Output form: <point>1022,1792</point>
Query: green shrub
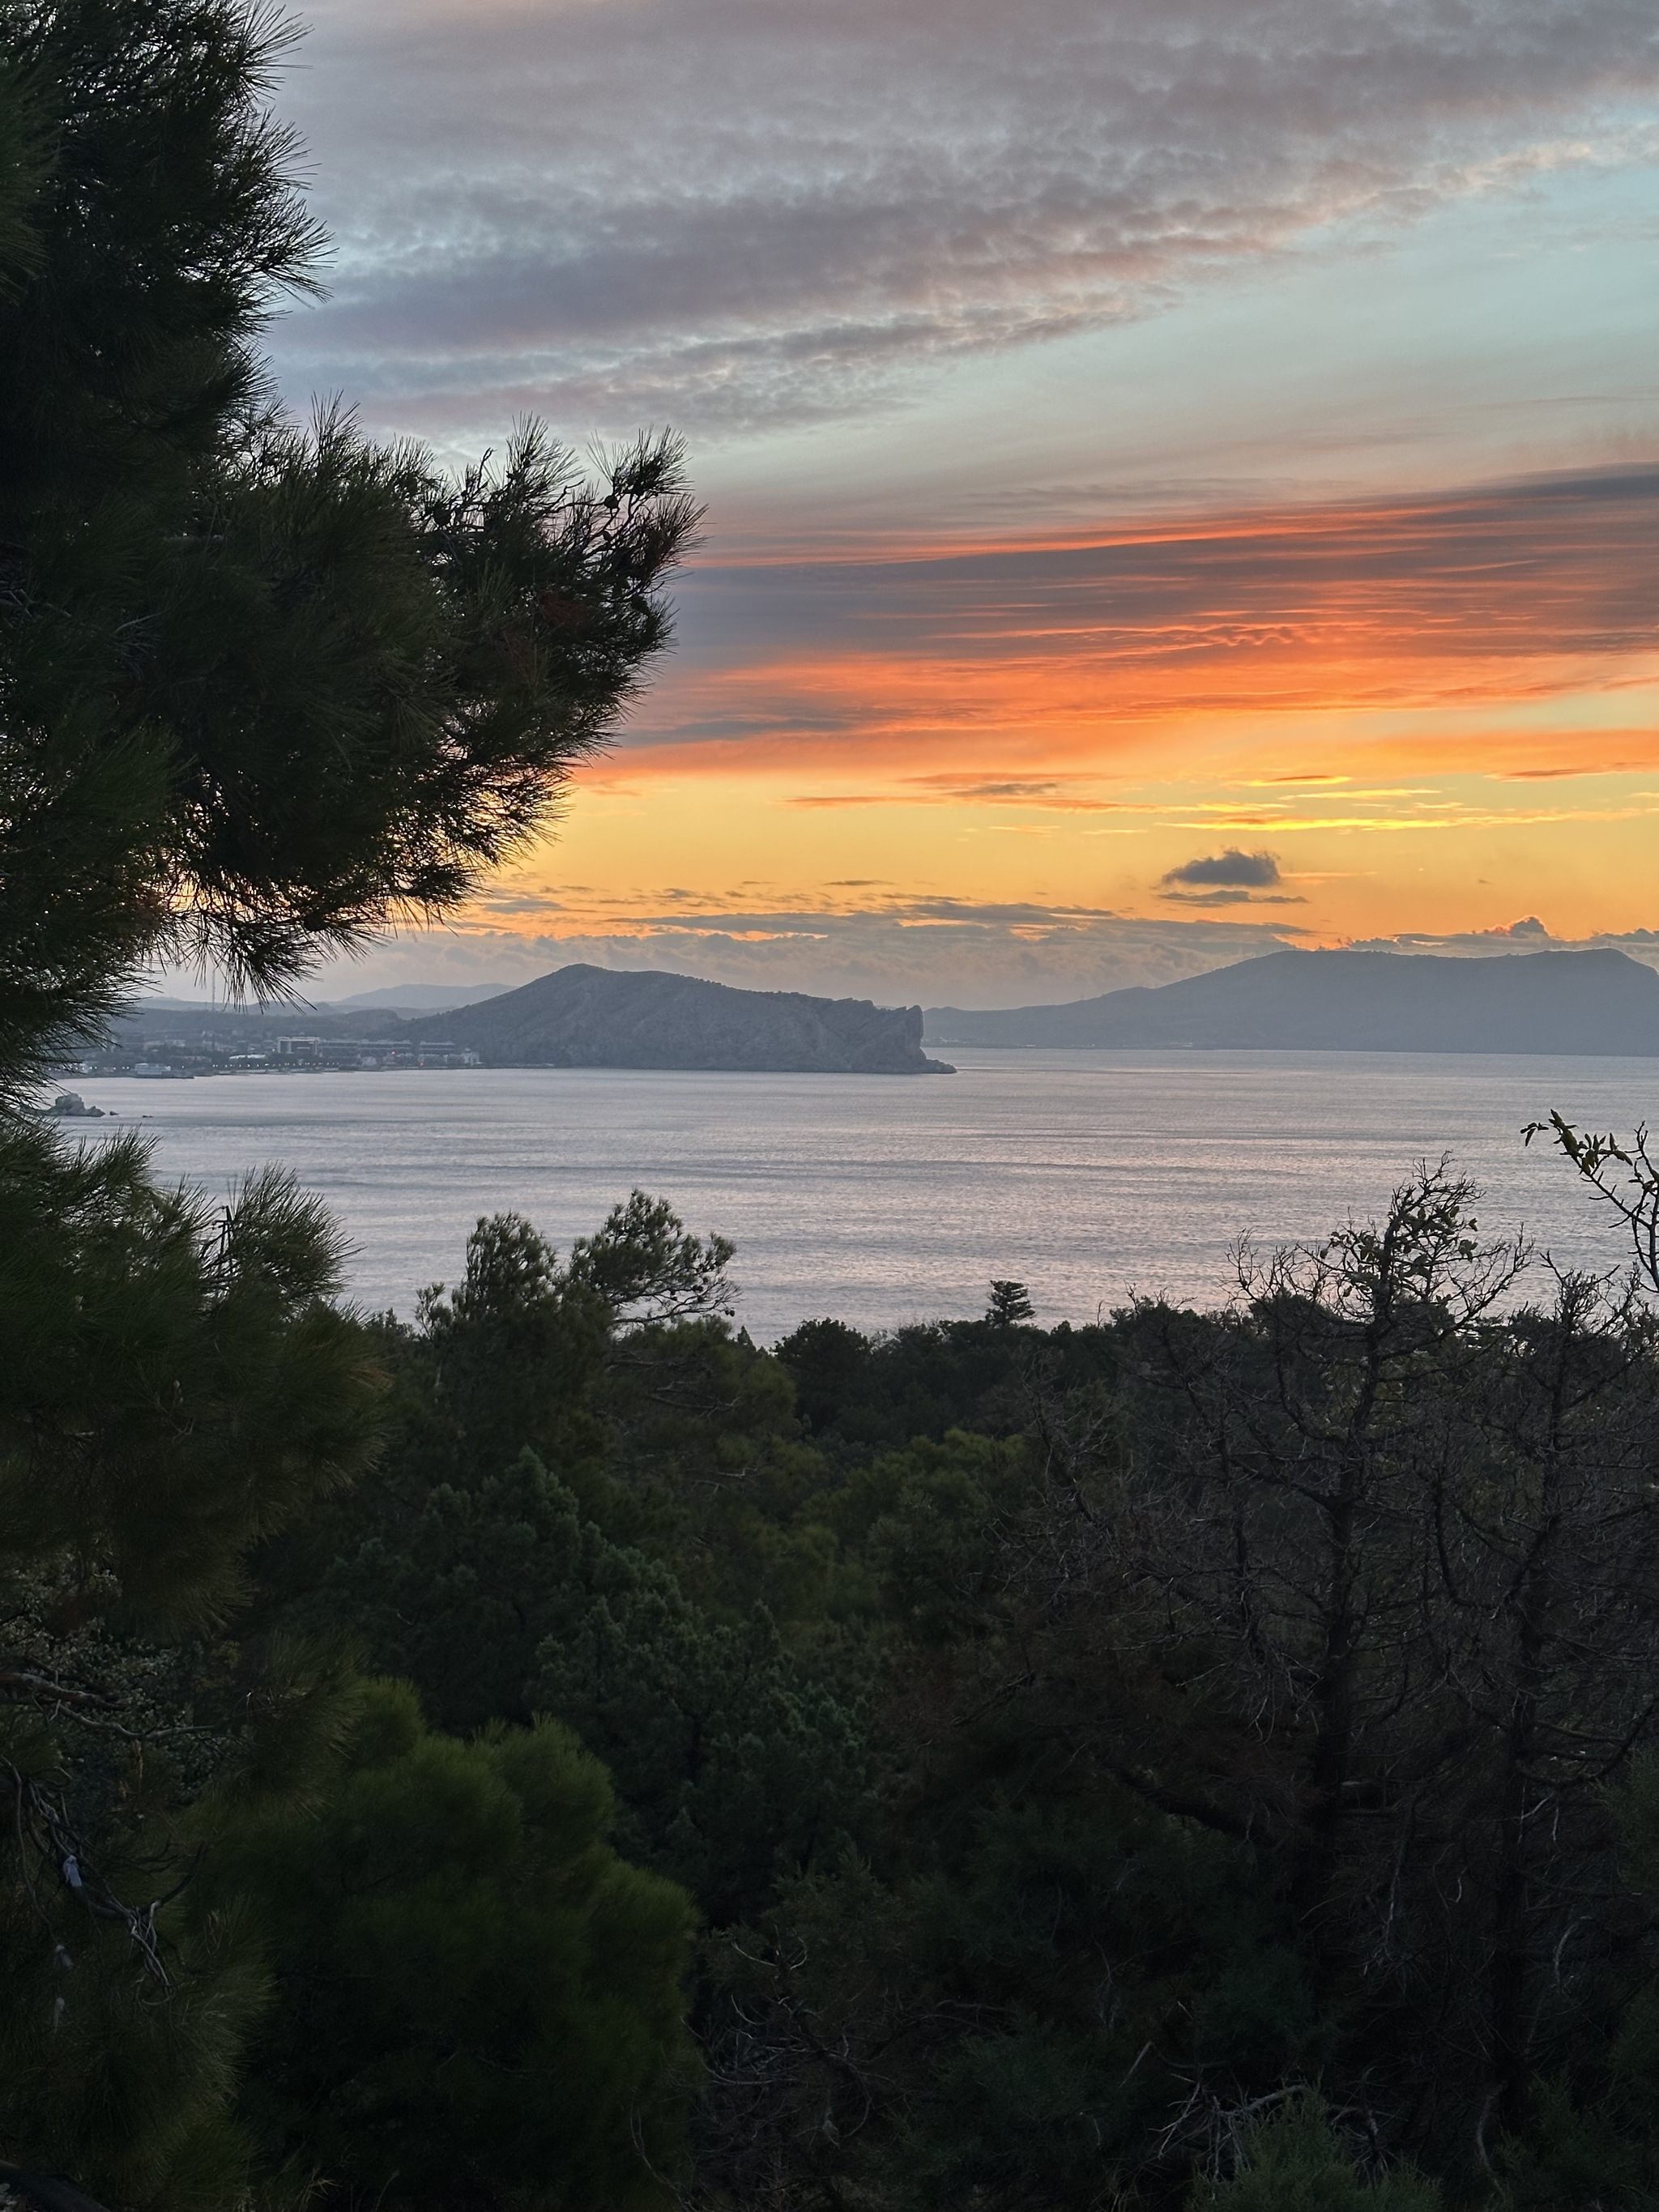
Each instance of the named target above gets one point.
<point>479,2003</point>
<point>1295,2162</point>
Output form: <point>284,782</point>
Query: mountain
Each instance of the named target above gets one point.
<point>1580,1002</point>
<point>582,1017</point>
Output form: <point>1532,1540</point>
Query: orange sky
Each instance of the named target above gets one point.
<point>1099,485</point>
<point>1438,714</point>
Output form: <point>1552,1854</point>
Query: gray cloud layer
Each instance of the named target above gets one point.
<point>1529,935</point>
<point>899,950</point>
<point>739,210</point>
<point>896,950</point>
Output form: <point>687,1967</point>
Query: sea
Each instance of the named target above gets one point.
<point>1090,1177</point>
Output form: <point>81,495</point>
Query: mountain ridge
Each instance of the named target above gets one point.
<point>1595,1002</point>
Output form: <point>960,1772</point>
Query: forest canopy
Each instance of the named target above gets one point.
<point>1198,1759</point>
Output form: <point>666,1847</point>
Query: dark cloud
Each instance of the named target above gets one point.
<point>1248,871</point>
<point>749,211</point>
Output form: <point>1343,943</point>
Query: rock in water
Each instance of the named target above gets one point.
<point>71,1106</point>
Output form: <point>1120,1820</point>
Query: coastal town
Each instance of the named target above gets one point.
<point>174,1042</point>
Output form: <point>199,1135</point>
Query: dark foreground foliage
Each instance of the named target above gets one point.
<point>1227,1779</point>
<point>1261,1713</point>
<point>1225,1776</point>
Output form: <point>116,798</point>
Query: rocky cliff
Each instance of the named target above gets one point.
<point>582,1017</point>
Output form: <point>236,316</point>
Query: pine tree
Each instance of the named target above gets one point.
<point>1293,2160</point>
<point>480,2003</point>
<point>176,1382</point>
<point>262,686</point>
<point>575,1515</point>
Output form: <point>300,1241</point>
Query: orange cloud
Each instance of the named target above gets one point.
<point>1467,631</point>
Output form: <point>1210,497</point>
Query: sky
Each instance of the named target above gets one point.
<point>1181,475</point>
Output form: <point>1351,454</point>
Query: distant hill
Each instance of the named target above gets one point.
<point>1566,1002</point>
<point>251,1026</point>
<point>582,1017</point>
<point>419,997</point>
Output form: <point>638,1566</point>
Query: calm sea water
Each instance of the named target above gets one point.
<point>887,1198</point>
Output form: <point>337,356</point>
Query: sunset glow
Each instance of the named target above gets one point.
<point>1088,494</point>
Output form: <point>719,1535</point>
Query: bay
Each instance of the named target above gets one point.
<point>883,1200</point>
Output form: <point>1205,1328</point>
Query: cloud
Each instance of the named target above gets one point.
<point>1233,898</point>
<point>744,211</point>
<point>954,788</point>
<point>896,948</point>
<point>1254,871</point>
<point>1240,879</point>
<point>1049,796</point>
<point>1527,935</point>
<point>981,673</point>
